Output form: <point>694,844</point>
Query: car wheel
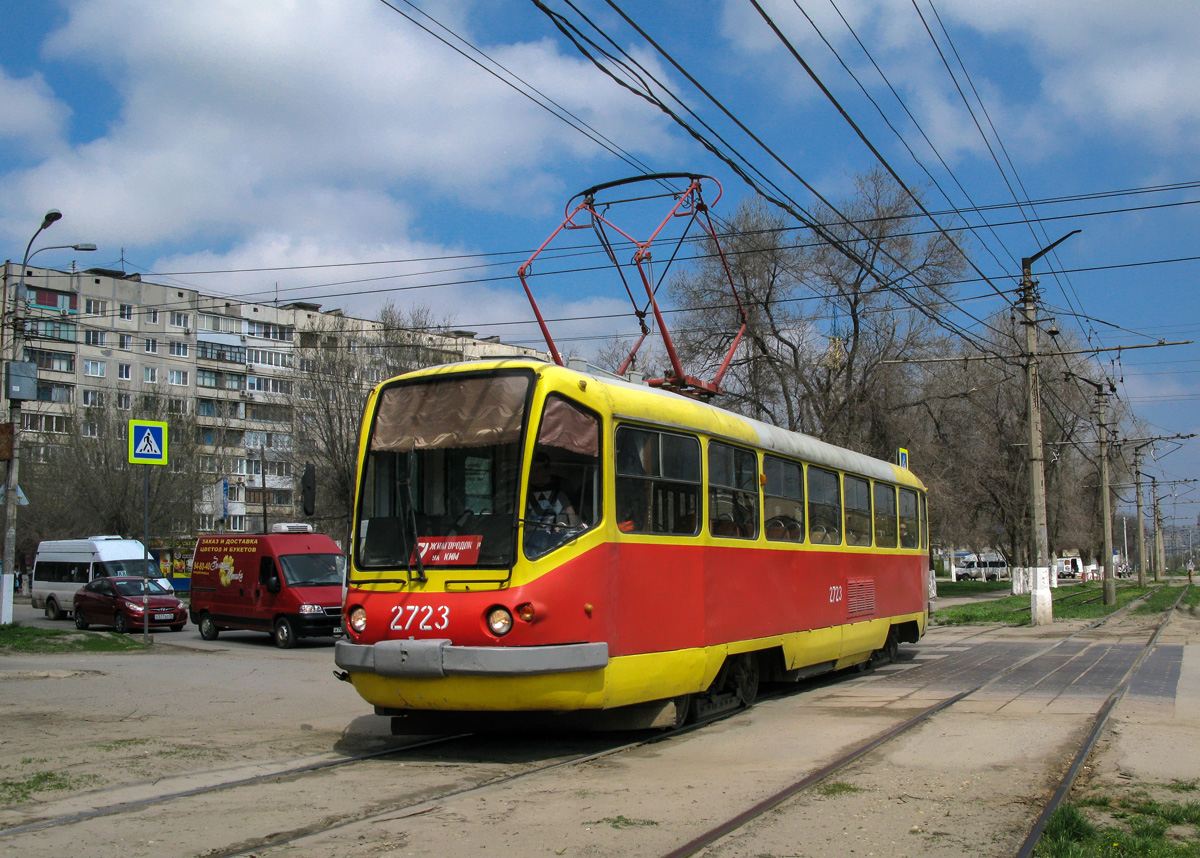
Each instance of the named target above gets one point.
<point>53,611</point>
<point>80,622</point>
<point>208,629</point>
<point>285,637</point>
<point>178,627</point>
<point>120,624</point>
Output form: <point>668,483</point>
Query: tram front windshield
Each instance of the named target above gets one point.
<point>442,471</point>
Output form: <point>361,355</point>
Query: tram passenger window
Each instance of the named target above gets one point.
<point>910,536</point>
<point>783,500</point>
<point>885,515</point>
<point>732,491</point>
<point>858,511</point>
<point>824,507</point>
<point>563,495</point>
<point>658,482</point>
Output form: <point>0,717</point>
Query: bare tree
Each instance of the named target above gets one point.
<point>821,320</point>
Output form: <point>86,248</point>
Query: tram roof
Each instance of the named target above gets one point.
<point>653,405</point>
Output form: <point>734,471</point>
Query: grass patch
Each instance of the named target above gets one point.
<point>17,790</point>
<point>970,588</point>
<point>18,639</point>
<point>1072,602</point>
<point>837,788</point>
<point>622,822</point>
<point>1138,828</point>
<point>1160,600</point>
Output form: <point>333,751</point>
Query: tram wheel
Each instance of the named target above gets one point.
<point>744,678</point>
<point>683,710</point>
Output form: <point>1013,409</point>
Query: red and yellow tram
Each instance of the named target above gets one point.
<point>529,538</point>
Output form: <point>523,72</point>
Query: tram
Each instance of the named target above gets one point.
<point>529,538</point>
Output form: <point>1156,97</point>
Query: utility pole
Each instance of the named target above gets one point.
<point>1110,577</point>
<point>1041,609</point>
<point>1160,553</point>
<point>1141,517</point>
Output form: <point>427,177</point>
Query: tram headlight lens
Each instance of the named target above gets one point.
<point>499,620</point>
<point>357,619</point>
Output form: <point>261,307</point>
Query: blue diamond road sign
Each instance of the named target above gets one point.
<point>147,442</point>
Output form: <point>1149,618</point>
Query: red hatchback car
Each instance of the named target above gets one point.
<point>117,602</point>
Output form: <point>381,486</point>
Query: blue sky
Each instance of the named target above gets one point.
<point>201,141</point>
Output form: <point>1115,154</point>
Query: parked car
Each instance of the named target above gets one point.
<point>118,601</point>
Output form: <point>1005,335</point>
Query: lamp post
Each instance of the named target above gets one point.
<point>15,398</point>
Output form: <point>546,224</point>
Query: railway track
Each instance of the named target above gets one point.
<point>415,783</point>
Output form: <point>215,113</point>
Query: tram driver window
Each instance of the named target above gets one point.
<point>824,507</point>
<point>658,482</point>
<point>783,500</point>
<point>909,520</point>
<point>858,511</point>
<point>562,497</point>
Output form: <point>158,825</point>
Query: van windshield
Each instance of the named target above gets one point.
<point>111,568</point>
<point>312,570</point>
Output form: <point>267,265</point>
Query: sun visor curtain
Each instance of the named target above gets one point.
<point>464,412</point>
<point>568,426</point>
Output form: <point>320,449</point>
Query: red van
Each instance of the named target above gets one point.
<point>285,583</point>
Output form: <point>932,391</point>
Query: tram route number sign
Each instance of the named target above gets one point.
<point>444,550</point>
<point>147,442</point>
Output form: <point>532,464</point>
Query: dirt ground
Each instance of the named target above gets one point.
<point>88,731</point>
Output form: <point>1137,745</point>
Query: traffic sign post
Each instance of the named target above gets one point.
<point>147,446</point>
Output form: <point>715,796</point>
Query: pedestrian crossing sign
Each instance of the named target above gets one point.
<point>147,442</point>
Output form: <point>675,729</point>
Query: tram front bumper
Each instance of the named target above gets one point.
<point>436,658</point>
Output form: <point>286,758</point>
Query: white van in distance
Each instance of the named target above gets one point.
<point>62,566</point>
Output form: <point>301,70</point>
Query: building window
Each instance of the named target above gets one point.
<point>93,398</point>
<point>95,307</point>
<point>51,392</point>
<point>55,423</point>
<point>125,342</point>
<point>94,338</point>
<point>150,375</point>
<point>152,316</point>
<point>237,523</point>
<point>88,429</point>
<point>57,361</point>
<point>206,378</point>
<point>126,312</point>
<point>93,368</point>
<point>177,406</point>
<point>177,348</point>
<point>178,377</point>
<point>206,521</point>
<point>151,346</point>
<point>124,401</point>
<point>124,371</point>
<point>180,320</point>
<point>48,329</point>
<point>235,381</point>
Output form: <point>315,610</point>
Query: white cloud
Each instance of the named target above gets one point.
<point>33,118</point>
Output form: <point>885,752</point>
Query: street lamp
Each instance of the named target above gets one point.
<point>8,570</point>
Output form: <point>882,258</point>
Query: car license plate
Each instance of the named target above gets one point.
<point>165,617</point>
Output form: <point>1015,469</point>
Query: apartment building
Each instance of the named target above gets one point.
<point>245,377</point>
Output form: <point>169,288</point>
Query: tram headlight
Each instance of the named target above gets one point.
<point>499,620</point>
<point>357,619</point>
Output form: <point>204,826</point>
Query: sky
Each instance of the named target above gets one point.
<point>352,152</point>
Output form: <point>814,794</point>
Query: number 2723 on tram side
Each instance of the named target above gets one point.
<point>530,539</point>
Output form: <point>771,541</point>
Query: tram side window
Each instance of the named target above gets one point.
<point>858,511</point>
<point>910,536</point>
<point>783,500</point>
<point>658,482</point>
<point>885,515</point>
<point>732,491</point>
<point>563,497</point>
<point>824,507</point>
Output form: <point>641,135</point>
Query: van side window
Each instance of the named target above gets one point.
<point>658,482</point>
<point>885,515</point>
<point>732,491</point>
<point>824,507</point>
<point>783,500</point>
<point>910,536</point>
<point>267,571</point>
